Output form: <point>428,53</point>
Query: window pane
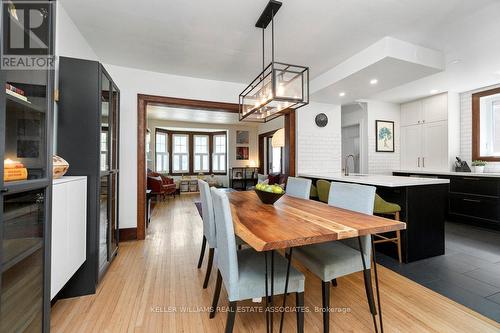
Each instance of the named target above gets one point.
<point>222,162</point>
<point>159,162</point>
<point>205,162</point>
<point>215,162</point>
<point>180,143</point>
<point>184,162</point>
<point>201,144</point>
<point>176,163</point>
<point>490,125</point>
<point>165,163</point>
<point>197,162</point>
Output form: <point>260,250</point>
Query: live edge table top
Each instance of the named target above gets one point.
<point>294,222</point>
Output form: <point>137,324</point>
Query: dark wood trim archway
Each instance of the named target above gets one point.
<point>144,100</point>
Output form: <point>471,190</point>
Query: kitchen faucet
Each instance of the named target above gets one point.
<point>346,168</point>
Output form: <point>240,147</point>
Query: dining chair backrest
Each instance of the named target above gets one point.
<point>298,187</point>
<point>323,188</point>
<point>358,198</point>
<point>227,259</point>
<point>207,212</point>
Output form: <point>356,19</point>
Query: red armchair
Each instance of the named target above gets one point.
<point>161,185</point>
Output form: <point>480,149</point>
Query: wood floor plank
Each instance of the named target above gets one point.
<point>149,279</point>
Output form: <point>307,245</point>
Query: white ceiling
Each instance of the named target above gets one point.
<point>217,40</point>
<point>159,112</point>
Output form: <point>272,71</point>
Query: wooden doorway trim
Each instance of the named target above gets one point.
<point>144,100</point>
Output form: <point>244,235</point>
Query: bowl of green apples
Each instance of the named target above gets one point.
<point>269,194</point>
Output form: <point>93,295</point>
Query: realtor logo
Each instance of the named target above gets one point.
<point>26,30</point>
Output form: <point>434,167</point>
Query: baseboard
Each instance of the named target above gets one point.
<point>127,234</point>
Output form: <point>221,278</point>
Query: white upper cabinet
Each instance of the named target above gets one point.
<point>435,108</point>
<point>411,113</point>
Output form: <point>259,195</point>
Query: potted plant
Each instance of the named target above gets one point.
<point>478,166</point>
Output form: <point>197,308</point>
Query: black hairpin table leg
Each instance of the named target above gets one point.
<point>376,286</point>
<point>286,287</point>
<point>368,285</point>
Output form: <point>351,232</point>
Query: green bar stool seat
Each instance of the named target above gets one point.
<point>314,192</point>
<point>323,188</point>
<point>382,207</point>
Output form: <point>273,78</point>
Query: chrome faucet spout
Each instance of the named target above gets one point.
<point>346,164</point>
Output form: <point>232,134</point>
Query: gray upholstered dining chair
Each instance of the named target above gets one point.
<point>243,272</point>
<point>207,212</point>
<point>331,260</point>
<point>298,187</point>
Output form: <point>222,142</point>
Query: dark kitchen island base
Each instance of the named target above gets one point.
<point>423,208</point>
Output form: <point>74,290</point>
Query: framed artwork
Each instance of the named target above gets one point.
<point>385,136</point>
<point>242,153</point>
<point>242,137</point>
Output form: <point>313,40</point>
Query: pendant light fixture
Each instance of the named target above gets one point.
<point>280,87</point>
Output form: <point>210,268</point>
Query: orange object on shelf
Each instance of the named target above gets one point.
<point>10,164</point>
<point>12,174</point>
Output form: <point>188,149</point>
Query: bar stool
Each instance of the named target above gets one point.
<point>323,188</point>
<point>382,207</point>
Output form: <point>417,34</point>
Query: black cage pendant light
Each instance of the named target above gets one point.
<point>280,87</point>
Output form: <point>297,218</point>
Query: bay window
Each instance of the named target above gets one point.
<point>161,152</point>
<point>200,152</point>
<point>180,154</point>
<point>219,153</point>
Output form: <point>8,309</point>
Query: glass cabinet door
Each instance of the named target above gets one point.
<point>21,307</point>
<point>114,127</point>
<point>105,123</point>
<point>113,198</point>
<point>103,223</point>
<point>25,156</point>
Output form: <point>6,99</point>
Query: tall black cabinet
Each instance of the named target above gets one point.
<point>26,105</point>
<point>88,138</point>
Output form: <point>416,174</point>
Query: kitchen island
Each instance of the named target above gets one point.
<point>423,204</point>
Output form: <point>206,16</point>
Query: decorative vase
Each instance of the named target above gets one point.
<point>59,166</point>
<point>478,168</point>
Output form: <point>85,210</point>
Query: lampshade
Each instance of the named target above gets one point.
<point>278,138</point>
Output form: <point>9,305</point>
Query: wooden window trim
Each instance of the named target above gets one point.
<point>476,126</point>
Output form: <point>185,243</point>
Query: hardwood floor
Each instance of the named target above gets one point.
<point>154,286</point>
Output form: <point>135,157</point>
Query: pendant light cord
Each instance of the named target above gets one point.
<point>272,37</point>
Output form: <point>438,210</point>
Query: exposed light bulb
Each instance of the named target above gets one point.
<point>342,94</point>
<point>373,81</point>
<point>281,90</point>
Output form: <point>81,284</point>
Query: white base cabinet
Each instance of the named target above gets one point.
<point>69,230</point>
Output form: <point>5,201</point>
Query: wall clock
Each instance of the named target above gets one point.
<point>321,120</point>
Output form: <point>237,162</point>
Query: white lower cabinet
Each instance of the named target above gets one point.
<point>69,230</point>
<point>425,146</point>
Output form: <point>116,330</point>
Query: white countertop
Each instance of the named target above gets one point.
<point>450,173</point>
<point>378,180</point>
<point>66,179</point>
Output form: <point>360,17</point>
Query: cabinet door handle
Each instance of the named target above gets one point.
<point>418,163</point>
<point>470,178</point>
<point>423,121</point>
<point>423,162</point>
<point>472,200</point>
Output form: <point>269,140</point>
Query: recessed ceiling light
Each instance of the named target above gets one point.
<point>433,91</point>
<point>373,81</point>
<point>342,94</point>
<point>455,61</point>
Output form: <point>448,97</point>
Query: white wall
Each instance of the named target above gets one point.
<point>354,114</point>
<point>134,81</point>
<point>272,125</point>
<point>253,145</point>
<point>318,149</point>
<point>69,40</point>
<point>466,128</point>
<point>383,163</point>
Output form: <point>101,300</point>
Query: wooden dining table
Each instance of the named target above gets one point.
<point>292,222</point>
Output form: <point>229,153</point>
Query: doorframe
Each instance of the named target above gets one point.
<point>143,100</point>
